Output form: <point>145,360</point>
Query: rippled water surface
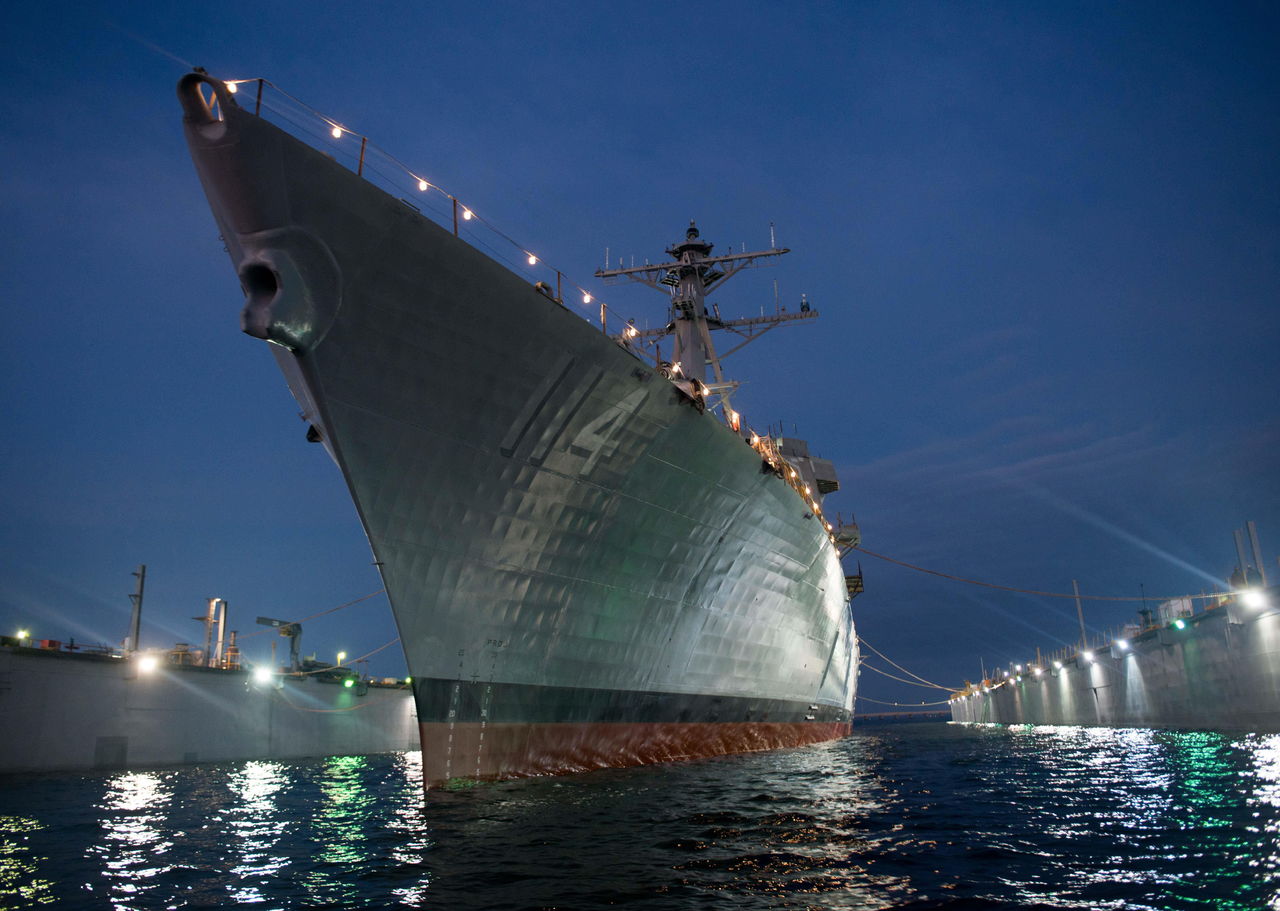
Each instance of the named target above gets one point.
<point>911,816</point>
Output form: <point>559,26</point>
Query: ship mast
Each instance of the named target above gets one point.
<point>690,276</point>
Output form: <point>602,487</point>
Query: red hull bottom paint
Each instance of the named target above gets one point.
<point>493,751</point>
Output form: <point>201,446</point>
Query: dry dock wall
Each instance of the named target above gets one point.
<point>1222,672</point>
<point>61,713</point>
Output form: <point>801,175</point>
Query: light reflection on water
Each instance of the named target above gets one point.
<point>1265,826</point>
<point>410,835</point>
<point>137,839</point>
<point>21,882</point>
<point>996,817</point>
<point>257,826</point>
<point>340,829</point>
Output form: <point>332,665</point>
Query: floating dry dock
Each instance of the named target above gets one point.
<point>67,711</point>
<point>1214,670</point>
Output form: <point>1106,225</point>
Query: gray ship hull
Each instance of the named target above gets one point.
<point>1220,672</point>
<point>585,570</point>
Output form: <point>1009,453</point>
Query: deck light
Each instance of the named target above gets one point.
<point>1058,665</point>
<point>1254,598</point>
<point>1039,671</point>
<point>1087,656</point>
<point>262,675</point>
<point>147,663</point>
<point>1018,668</point>
<point>466,215</point>
<point>24,634</point>
<point>533,260</point>
<point>1122,644</point>
<point>336,132</point>
<point>586,298</point>
<point>342,656</point>
<point>231,87</point>
<point>422,185</point>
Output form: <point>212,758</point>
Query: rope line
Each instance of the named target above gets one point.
<point>351,708</point>
<point>933,686</point>
<point>1031,591</point>
<point>270,629</point>
<point>341,606</point>
<point>365,656</point>
<point>948,689</point>
<point>909,705</point>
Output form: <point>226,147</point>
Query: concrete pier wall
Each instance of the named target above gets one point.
<point>1221,672</point>
<point>61,712</point>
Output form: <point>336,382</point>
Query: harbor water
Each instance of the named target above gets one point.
<point>907,816</point>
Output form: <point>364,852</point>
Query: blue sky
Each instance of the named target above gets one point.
<point>1044,241</point>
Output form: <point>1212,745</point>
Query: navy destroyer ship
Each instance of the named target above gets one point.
<point>590,558</point>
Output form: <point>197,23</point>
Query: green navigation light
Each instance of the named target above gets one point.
<point>1179,623</point>
<point>348,683</point>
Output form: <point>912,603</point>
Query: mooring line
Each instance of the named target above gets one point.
<point>1032,591</point>
<point>321,614</point>
<point>947,689</point>
<point>932,686</point>
<point>909,705</point>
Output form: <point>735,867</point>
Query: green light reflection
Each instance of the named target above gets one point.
<point>1212,794</point>
<point>19,883</point>
<point>341,829</point>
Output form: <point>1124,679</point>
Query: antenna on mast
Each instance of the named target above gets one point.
<point>773,244</point>
<point>135,619</point>
<point>689,275</point>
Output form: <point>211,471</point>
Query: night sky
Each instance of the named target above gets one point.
<point>1044,240</point>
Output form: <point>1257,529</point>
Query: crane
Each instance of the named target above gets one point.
<point>290,629</point>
